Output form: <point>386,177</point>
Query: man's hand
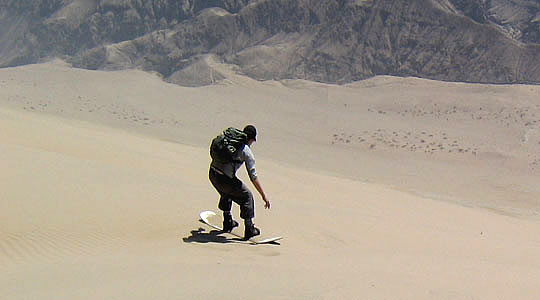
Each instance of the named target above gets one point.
<point>266,203</point>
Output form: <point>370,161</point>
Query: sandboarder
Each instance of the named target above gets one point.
<point>222,175</point>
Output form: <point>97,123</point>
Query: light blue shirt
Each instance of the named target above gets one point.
<point>243,156</point>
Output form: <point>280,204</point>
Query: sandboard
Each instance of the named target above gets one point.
<point>211,219</point>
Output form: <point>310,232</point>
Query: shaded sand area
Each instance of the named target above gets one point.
<point>384,189</point>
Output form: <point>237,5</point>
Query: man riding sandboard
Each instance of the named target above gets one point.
<point>229,151</point>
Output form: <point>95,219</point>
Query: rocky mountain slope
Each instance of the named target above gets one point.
<point>338,41</point>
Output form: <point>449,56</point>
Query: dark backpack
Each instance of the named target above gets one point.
<point>225,145</point>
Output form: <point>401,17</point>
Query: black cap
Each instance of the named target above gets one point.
<point>251,132</point>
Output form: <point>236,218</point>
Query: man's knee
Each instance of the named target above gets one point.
<point>225,204</point>
<point>247,208</point>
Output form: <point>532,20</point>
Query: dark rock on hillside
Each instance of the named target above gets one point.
<point>519,19</point>
<point>495,41</point>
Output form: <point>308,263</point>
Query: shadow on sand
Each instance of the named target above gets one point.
<point>214,236</point>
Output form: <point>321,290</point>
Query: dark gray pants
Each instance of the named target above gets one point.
<point>233,190</point>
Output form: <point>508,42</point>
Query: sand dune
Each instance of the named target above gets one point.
<point>418,129</point>
<point>105,174</point>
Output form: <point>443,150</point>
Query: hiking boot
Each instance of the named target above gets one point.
<point>251,231</point>
<point>229,225</point>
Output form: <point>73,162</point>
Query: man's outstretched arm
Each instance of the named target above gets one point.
<point>259,188</point>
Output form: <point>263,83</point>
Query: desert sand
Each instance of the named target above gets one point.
<point>389,188</point>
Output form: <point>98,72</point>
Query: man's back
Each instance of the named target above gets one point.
<point>244,155</point>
